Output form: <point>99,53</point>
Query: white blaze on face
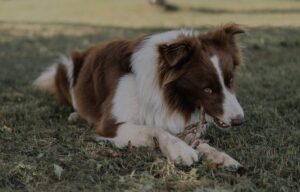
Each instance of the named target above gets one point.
<point>231,107</point>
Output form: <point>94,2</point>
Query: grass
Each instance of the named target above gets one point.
<point>35,136</point>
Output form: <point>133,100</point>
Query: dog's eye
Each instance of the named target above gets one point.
<point>208,90</point>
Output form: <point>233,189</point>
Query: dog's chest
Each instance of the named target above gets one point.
<point>129,105</point>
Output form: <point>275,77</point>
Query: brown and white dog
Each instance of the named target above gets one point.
<point>153,86</point>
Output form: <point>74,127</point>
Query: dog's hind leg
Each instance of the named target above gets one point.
<point>74,117</point>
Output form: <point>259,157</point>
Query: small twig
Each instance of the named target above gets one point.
<point>156,144</point>
<point>201,124</point>
<point>187,130</point>
<point>109,153</point>
<point>191,133</point>
<point>129,146</point>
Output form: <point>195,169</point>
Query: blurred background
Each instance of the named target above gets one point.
<point>147,13</point>
<point>41,151</point>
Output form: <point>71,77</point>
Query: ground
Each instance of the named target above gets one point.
<point>41,151</point>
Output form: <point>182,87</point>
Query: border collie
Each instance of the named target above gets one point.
<point>153,87</point>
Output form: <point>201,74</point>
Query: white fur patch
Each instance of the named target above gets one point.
<point>231,106</point>
<point>69,65</point>
<point>126,102</point>
<point>46,81</point>
<point>138,135</point>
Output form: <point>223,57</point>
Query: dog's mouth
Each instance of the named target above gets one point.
<point>206,117</point>
<point>220,123</point>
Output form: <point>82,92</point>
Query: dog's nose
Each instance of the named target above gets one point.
<point>237,120</point>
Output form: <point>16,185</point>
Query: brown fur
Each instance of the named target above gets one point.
<point>78,60</point>
<point>62,85</point>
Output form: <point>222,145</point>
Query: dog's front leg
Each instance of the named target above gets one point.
<point>217,158</point>
<point>139,135</point>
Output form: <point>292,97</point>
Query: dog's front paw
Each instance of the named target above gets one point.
<point>217,159</point>
<point>176,150</point>
<point>221,160</point>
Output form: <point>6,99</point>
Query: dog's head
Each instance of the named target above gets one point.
<point>198,71</point>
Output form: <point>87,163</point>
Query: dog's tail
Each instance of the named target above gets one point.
<point>59,78</point>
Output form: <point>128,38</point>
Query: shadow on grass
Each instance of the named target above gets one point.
<point>254,11</point>
<point>204,10</point>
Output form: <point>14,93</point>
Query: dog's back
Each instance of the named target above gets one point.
<point>87,80</point>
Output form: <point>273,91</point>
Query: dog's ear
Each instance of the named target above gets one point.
<point>224,34</point>
<point>173,57</point>
<point>233,29</point>
<point>175,54</point>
